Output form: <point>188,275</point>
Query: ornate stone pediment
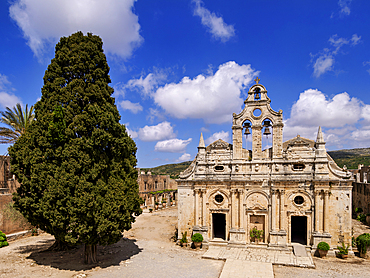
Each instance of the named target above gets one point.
<point>299,142</point>
<point>219,145</point>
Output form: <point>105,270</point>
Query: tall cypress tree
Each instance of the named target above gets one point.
<point>76,162</point>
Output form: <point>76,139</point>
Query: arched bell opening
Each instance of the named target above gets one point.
<point>267,135</point>
<point>247,140</point>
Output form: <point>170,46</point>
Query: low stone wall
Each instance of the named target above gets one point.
<point>8,226</point>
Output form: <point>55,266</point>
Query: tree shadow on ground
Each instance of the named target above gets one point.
<point>73,259</point>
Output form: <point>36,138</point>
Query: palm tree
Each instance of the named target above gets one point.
<point>17,121</point>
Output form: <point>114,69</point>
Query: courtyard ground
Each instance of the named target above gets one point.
<point>147,251</point>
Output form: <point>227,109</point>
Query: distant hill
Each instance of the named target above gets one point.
<point>351,158</point>
<point>169,169</point>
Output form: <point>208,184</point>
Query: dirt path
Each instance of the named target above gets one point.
<point>145,251</point>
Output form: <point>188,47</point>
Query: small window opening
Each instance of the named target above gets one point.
<point>219,168</point>
<point>298,200</point>
<point>257,94</point>
<point>219,198</point>
<point>299,166</point>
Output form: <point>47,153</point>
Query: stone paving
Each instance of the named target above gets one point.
<point>260,254</point>
<point>246,269</point>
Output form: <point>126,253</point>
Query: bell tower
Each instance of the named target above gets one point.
<point>258,116</point>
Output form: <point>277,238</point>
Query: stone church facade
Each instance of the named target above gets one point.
<point>293,191</point>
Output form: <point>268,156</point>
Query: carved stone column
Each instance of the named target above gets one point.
<point>233,208</point>
<point>273,209</point>
<point>240,209</point>
<point>196,207</point>
<point>282,210</point>
<point>326,212</point>
<point>204,208</point>
<point>317,211</point>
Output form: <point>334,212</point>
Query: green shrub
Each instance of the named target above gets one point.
<point>362,242</point>
<point>184,237</point>
<point>3,241</point>
<point>255,233</point>
<point>323,246</point>
<point>343,249</point>
<point>358,210</point>
<point>197,237</point>
<point>361,217</point>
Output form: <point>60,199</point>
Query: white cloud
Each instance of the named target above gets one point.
<point>337,42</point>
<point>345,120</point>
<point>172,145</point>
<point>323,64</point>
<point>133,107</point>
<point>43,22</point>
<point>212,98</point>
<point>7,98</point>
<point>355,39</point>
<point>155,114</point>
<point>314,109</point>
<point>344,7</point>
<point>131,133</point>
<point>223,135</point>
<point>5,84</point>
<point>157,132</point>
<point>147,85</point>
<point>361,137</point>
<point>325,60</point>
<point>184,157</point>
<point>216,25</point>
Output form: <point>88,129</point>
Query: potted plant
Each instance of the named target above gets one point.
<point>150,210</point>
<point>156,205</point>
<point>323,248</point>
<point>256,235</point>
<point>363,244</point>
<point>34,232</point>
<point>164,201</point>
<point>197,239</point>
<point>184,240</point>
<point>3,241</point>
<point>343,251</point>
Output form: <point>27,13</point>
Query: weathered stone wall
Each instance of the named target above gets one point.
<point>361,197</point>
<point>153,183</point>
<point>9,225</point>
<point>186,210</point>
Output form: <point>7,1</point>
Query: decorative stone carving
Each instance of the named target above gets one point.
<point>257,201</point>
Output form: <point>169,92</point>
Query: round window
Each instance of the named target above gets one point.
<point>257,112</point>
<point>298,200</point>
<point>219,198</point>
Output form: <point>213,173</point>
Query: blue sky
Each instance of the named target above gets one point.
<point>183,67</point>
